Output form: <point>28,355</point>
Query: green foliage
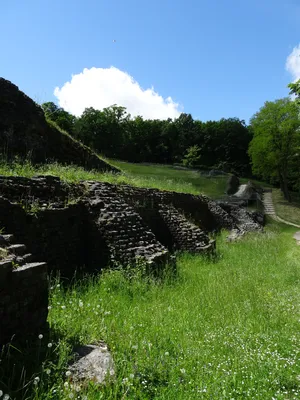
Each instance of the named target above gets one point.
<point>295,89</point>
<point>62,118</point>
<point>150,176</point>
<point>226,328</point>
<point>114,133</point>
<point>289,211</point>
<point>275,144</point>
<point>3,253</point>
<point>192,156</point>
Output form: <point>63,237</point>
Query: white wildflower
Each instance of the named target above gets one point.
<point>36,380</point>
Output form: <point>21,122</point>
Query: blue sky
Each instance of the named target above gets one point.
<point>214,58</point>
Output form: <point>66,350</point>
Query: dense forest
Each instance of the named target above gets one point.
<point>267,148</point>
<point>114,133</point>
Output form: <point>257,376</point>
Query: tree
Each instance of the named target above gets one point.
<point>295,89</point>
<point>274,146</point>
<point>192,156</point>
<point>58,115</point>
<point>103,130</point>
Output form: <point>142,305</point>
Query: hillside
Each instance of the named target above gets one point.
<point>24,132</point>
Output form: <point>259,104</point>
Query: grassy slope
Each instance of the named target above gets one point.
<point>225,329</point>
<point>151,176</point>
<point>288,211</point>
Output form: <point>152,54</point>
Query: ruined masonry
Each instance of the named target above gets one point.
<point>23,291</point>
<point>51,225</point>
<point>124,231</point>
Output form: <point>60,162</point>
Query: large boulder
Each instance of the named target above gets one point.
<point>25,132</point>
<point>248,191</point>
<point>92,363</point>
<point>233,184</point>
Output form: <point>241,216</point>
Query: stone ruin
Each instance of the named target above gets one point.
<point>24,132</point>
<point>50,225</point>
<point>233,184</point>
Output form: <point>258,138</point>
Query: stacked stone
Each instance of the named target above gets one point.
<point>23,292</point>
<point>223,220</point>
<point>40,189</point>
<point>187,236</point>
<point>195,207</point>
<point>123,230</point>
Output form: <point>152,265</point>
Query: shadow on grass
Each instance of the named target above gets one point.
<point>25,364</point>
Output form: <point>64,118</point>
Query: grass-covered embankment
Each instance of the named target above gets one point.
<point>226,328</point>
<point>288,211</point>
<point>148,176</point>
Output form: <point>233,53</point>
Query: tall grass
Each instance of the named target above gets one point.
<point>150,176</point>
<point>289,211</point>
<point>225,328</point>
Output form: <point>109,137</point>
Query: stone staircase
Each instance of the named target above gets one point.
<point>23,292</point>
<point>16,253</point>
<point>187,236</point>
<point>268,203</point>
<point>124,232</point>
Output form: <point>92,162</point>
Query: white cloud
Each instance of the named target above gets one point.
<point>293,63</point>
<point>103,87</point>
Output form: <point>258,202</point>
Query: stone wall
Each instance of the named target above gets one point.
<point>25,132</point>
<point>200,210</point>
<point>106,223</point>
<point>93,225</point>
<point>23,300</point>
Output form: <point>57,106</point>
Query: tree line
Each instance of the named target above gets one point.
<point>114,133</point>
<point>268,148</point>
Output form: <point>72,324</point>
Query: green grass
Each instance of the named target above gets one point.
<point>226,328</point>
<point>287,211</point>
<point>149,176</point>
<point>3,253</point>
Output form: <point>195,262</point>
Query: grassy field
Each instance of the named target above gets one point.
<point>224,328</point>
<point>150,176</point>
<point>288,211</point>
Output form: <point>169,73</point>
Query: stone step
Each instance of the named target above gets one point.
<point>6,239</point>
<point>26,258</point>
<point>17,249</point>
<point>33,265</point>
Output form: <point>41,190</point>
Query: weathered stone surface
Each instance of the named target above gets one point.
<point>232,184</point>
<point>117,223</point>
<point>24,131</point>
<point>244,221</point>
<point>92,363</point>
<point>23,300</point>
<point>106,224</point>
<point>295,236</point>
<point>248,191</point>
